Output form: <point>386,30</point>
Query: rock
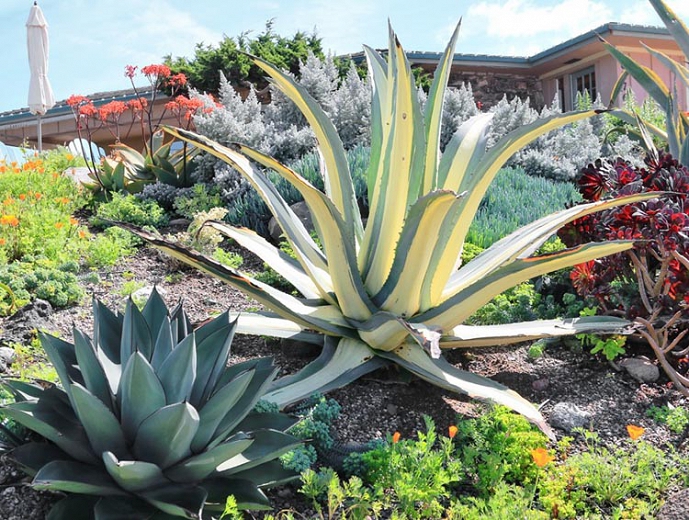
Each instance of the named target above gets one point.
<point>391,409</point>
<point>302,211</point>
<point>7,357</point>
<point>21,327</point>
<point>181,222</point>
<point>541,384</point>
<point>143,294</point>
<point>567,416</point>
<point>675,506</point>
<point>641,369</point>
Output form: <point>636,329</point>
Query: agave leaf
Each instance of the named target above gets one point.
<point>677,29</point>
<point>155,312</point>
<point>264,372</point>
<point>164,438</point>
<point>140,394</point>
<point>348,363</point>
<point>433,114</point>
<point>107,331</point>
<point>462,304</point>
<point>63,358</point>
<point>219,405</point>
<point>164,344</point>
<point>246,493</point>
<point>313,315</point>
<point>423,229</point>
<point>526,240</point>
<point>177,500</point>
<point>76,477</point>
<point>178,372</point>
<point>395,187</point>
<point>281,262</point>
<point>133,475</point>
<point>101,426</point>
<point>332,229</point>
<point>469,336</point>
<point>377,69</point>
<point>441,373</point>
<point>383,331</point>
<point>166,176</point>
<point>308,254</point>
<point>464,151</point>
<point>198,467</point>
<point>268,474</point>
<point>136,336</point>
<point>73,507</point>
<point>32,456</point>
<point>130,156</point>
<point>617,88</point>
<point>646,77</point>
<point>95,378</point>
<point>336,176</point>
<point>213,341</point>
<point>271,324</point>
<point>680,71</point>
<point>267,445</point>
<point>631,118</point>
<point>57,424</point>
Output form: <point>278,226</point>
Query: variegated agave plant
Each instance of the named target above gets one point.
<point>676,132</point>
<point>150,422</point>
<point>393,291</point>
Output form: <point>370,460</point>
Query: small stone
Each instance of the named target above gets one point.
<point>540,384</point>
<point>567,416</point>
<point>675,507</point>
<point>392,409</point>
<point>182,222</point>
<point>641,369</point>
<point>285,493</point>
<point>7,357</point>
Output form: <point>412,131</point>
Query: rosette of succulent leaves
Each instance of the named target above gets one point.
<point>150,421</point>
<point>394,290</point>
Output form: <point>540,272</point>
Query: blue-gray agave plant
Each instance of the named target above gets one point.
<point>150,422</point>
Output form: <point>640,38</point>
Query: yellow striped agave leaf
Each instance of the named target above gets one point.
<point>394,293</point>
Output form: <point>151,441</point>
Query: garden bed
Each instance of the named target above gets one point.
<point>385,401</point>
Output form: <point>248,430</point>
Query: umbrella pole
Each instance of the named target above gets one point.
<point>40,135</point>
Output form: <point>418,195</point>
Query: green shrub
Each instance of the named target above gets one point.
<point>515,199</point>
<point>247,209</point>
<point>124,207</point>
<point>107,248</point>
<point>40,278</point>
<point>200,198</point>
<point>675,418</point>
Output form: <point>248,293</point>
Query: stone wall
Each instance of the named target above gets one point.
<point>490,87</point>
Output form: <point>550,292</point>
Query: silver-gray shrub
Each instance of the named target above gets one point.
<point>459,105</point>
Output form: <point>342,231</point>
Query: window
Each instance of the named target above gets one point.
<point>584,81</point>
<point>561,93</point>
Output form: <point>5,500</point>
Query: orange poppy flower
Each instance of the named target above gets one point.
<point>9,220</point>
<point>73,221</point>
<point>541,457</point>
<point>396,437</point>
<point>22,196</point>
<point>635,431</point>
<point>58,225</point>
<point>2,241</point>
<point>82,233</point>
<point>452,431</point>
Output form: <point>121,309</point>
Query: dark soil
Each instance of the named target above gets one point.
<point>387,400</point>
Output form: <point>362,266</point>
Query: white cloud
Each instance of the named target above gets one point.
<point>526,18</point>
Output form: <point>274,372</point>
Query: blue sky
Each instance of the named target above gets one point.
<point>91,41</point>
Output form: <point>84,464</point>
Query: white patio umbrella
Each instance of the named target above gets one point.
<point>40,92</point>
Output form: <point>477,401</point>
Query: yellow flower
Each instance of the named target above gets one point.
<point>396,437</point>
<point>452,431</point>
<point>635,431</point>
<point>540,457</point>
<point>9,220</point>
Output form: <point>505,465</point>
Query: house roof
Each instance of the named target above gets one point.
<point>492,60</point>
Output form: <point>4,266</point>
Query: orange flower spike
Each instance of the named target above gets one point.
<point>541,457</point>
<point>396,437</point>
<point>452,431</point>
<point>635,431</point>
